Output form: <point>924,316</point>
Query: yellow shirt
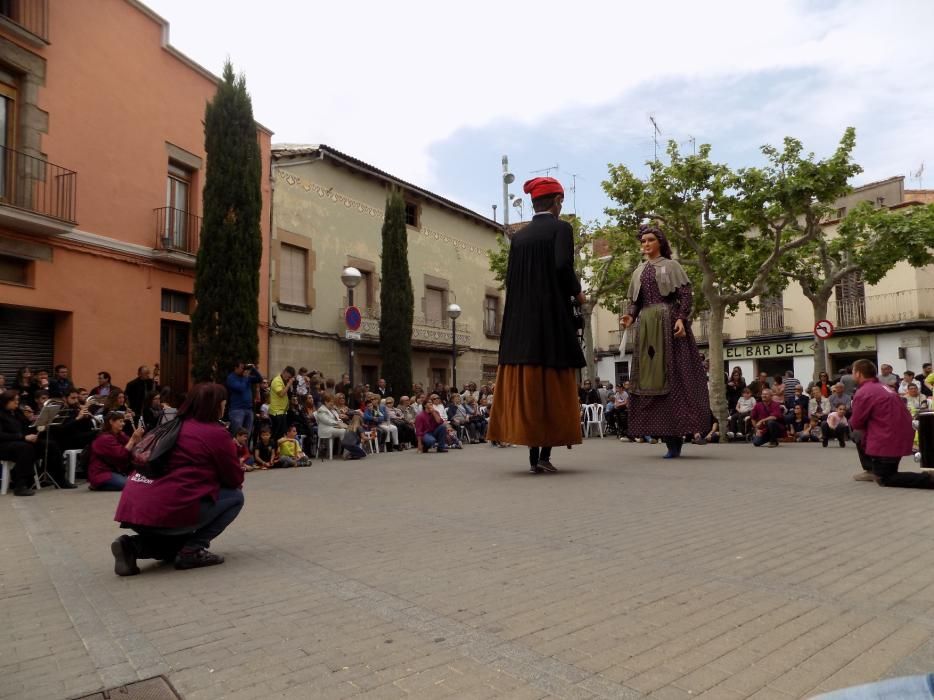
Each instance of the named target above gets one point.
<point>278,405</point>
<point>288,448</point>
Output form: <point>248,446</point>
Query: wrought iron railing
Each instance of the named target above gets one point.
<point>427,331</point>
<point>31,15</point>
<point>767,321</point>
<point>36,185</point>
<point>880,309</point>
<point>701,328</point>
<point>177,231</point>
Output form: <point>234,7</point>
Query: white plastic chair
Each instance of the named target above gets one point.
<point>373,442</point>
<point>593,417</point>
<point>71,459</point>
<point>7,475</point>
<point>330,442</point>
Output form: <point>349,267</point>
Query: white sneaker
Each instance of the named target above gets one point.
<point>730,436</point>
<point>638,439</point>
<point>625,439</point>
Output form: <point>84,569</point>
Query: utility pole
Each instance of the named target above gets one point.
<point>508,179</point>
<point>655,134</point>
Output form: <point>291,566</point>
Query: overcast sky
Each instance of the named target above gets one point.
<point>437,92</point>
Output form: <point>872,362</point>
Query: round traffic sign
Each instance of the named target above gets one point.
<point>353,318</point>
<point>823,329</point>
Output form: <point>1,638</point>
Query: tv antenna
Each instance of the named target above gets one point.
<point>656,132</point>
<point>547,170</point>
<point>693,141</point>
<point>919,175</point>
<point>574,177</point>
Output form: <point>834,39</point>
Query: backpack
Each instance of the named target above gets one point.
<point>151,455</point>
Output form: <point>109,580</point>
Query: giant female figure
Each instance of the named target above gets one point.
<point>669,396</point>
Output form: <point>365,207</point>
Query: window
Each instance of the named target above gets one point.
<point>14,270</point>
<point>489,373</point>
<point>851,300</point>
<point>411,214</point>
<point>176,302</point>
<point>7,141</point>
<point>439,375</point>
<point>434,304</point>
<point>363,294</point>
<point>841,212</point>
<point>491,315</point>
<point>178,207</point>
<point>293,275</point>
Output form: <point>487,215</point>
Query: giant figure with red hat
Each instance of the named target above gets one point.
<point>539,354</point>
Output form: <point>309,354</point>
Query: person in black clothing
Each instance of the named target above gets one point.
<point>25,386</point>
<point>20,444</point>
<point>588,395</point>
<point>383,389</point>
<point>734,387</point>
<point>77,430</point>
<point>137,390</point>
<point>539,352</point>
<point>60,385</point>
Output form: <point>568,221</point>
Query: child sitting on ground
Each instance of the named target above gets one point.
<point>243,451</point>
<point>352,437</point>
<point>264,454</point>
<point>290,452</point>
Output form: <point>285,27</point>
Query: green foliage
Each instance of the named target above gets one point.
<point>225,323</point>
<point>733,228</point>
<point>396,298</point>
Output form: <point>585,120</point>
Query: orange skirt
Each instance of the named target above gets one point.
<point>535,406</point>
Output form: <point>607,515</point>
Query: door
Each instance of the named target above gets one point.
<point>370,375</point>
<point>26,339</point>
<point>173,358</point>
<point>177,191</point>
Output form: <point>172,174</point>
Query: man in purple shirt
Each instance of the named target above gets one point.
<point>768,417</point>
<point>887,433</point>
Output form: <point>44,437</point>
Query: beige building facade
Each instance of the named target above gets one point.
<point>890,322</point>
<point>328,211</point>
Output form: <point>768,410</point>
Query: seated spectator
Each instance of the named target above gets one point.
<point>153,414</point>
<point>77,429</point>
<point>376,417</point>
<point>180,513</point>
<point>247,463</point>
<point>587,394</point>
<point>290,451</point>
<point>430,429</point>
<point>309,423</point>
<point>768,421</point>
<point>740,424</point>
<point>264,452</point>
<point>907,381</point>
<point>840,398</point>
<point>117,402</point>
<point>24,386</point>
<point>109,463</point>
<point>798,398</point>
<point>104,386</point>
<point>888,377</point>
<point>397,417</point>
<point>168,411</point>
<point>476,422</point>
<point>823,385</point>
<point>343,410</point>
<point>60,386</point>
<point>138,389</point>
<point>713,435</point>
<point>16,445</point>
<point>819,405</point>
<point>734,387</point>
<point>813,433</point>
<point>797,422</point>
<point>457,413</point>
<point>837,426</point>
<point>330,425</point>
<point>355,434</point>
<point>758,385</point>
<point>914,400</point>
<point>470,392</point>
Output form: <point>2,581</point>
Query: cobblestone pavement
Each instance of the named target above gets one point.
<point>734,572</point>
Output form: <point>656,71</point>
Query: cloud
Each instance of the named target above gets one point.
<point>392,83</point>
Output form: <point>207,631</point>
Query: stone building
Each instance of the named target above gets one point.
<point>328,212</point>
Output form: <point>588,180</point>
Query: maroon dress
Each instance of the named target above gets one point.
<point>685,409</point>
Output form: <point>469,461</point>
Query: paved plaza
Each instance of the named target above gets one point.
<point>730,573</point>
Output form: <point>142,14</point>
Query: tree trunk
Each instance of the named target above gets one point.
<point>715,359</point>
<point>590,369</point>
<point>820,302</point>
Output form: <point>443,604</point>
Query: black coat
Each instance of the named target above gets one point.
<point>538,323</point>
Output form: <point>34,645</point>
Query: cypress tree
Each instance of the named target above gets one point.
<point>225,322</point>
<point>396,299</point>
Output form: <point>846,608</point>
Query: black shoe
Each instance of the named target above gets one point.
<point>536,470</point>
<point>547,466</point>
<point>823,443</point>
<point>124,553</point>
<point>842,443</point>
<point>65,484</point>
<point>196,558</point>
<point>23,491</point>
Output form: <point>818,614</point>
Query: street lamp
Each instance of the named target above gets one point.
<point>453,312</point>
<point>508,179</point>
<point>351,278</point>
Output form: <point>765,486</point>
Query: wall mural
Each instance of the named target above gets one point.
<point>375,213</point>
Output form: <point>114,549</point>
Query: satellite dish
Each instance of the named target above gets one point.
<point>517,202</point>
<point>509,178</point>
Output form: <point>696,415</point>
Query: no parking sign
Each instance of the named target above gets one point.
<point>823,329</point>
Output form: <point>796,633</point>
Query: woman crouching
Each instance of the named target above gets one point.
<point>179,513</point>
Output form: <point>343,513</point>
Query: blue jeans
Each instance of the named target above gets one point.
<point>116,482</point>
<point>437,436</point>
<point>774,431</point>
<point>240,418</point>
<point>215,517</point>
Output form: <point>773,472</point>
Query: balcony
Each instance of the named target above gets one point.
<point>427,334</point>
<point>767,322</point>
<point>883,309</point>
<point>701,328</point>
<point>178,235</point>
<point>36,196</point>
<point>28,19</point>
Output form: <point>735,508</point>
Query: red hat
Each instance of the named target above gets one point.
<point>542,187</point>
